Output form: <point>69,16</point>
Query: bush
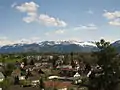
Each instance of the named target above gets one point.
<point>8,69</point>
<point>25,83</point>
<point>5,84</point>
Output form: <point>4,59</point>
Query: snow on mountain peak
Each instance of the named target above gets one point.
<point>51,43</point>
<point>67,43</point>
<point>88,44</point>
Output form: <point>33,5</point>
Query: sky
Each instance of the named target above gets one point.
<point>41,20</point>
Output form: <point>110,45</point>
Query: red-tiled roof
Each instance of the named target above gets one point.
<point>57,84</point>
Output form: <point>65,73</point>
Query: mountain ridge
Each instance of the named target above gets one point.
<point>53,46</point>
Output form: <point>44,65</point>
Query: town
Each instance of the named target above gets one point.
<point>55,71</point>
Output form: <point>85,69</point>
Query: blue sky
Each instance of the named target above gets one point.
<point>40,20</point>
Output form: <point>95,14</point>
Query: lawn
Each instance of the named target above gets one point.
<point>8,60</point>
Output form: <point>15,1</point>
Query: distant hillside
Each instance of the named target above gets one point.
<point>116,44</point>
<point>54,46</point>
<point>50,46</point>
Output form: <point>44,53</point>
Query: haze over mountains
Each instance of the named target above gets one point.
<point>54,46</point>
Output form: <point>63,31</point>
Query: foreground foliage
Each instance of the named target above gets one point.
<point>5,84</point>
<point>108,78</point>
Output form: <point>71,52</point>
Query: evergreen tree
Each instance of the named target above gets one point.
<point>108,78</point>
<point>55,58</point>
<point>72,61</point>
<point>31,62</point>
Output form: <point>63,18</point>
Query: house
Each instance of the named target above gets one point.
<point>2,77</point>
<point>16,72</point>
<point>59,85</point>
<point>63,89</point>
<point>35,82</point>
<point>62,56</point>
<point>59,62</point>
<point>38,57</point>
<point>50,57</point>
<point>77,78</point>
<point>77,75</point>
<point>22,78</point>
<point>37,64</point>
<point>67,71</point>
<point>64,67</point>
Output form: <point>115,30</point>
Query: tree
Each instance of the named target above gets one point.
<point>8,69</point>
<point>32,62</point>
<point>55,58</point>
<point>25,61</point>
<point>16,80</point>
<point>72,61</point>
<point>87,67</point>
<point>41,85</point>
<point>40,71</point>
<point>108,78</point>
<point>66,59</point>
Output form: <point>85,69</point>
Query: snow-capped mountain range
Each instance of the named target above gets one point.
<point>52,46</point>
<point>88,43</point>
<point>67,43</point>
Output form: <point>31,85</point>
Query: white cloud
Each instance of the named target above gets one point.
<point>109,15</point>
<point>28,7</point>
<point>29,19</point>
<point>86,27</point>
<point>7,41</point>
<point>114,17</point>
<point>28,40</point>
<point>31,9</point>
<point>51,21</point>
<point>115,22</point>
<point>14,4</point>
